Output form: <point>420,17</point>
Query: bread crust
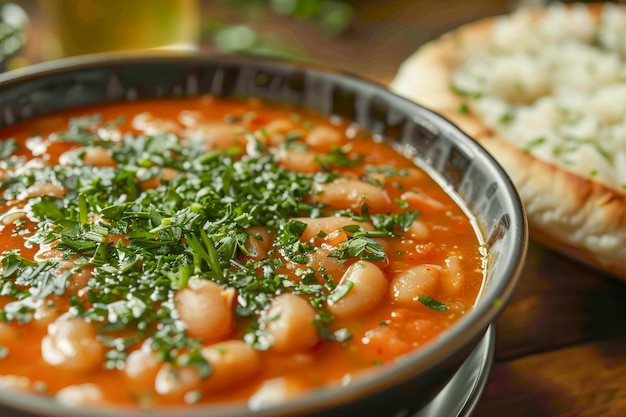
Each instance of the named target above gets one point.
<point>572,214</point>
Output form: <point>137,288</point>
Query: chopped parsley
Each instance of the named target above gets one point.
<point>338,157</point>
<point>142,244</point>
<point>359,247</point>
<point>341,291</point>
<point>431,303</point>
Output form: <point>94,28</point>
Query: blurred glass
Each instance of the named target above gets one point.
<point>91,26</point>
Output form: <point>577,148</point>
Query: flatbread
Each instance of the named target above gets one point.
<point>568,210</point>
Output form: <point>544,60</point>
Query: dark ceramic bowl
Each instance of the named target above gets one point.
<point>457,162</point>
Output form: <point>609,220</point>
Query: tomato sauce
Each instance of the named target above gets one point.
<point>398,230</point>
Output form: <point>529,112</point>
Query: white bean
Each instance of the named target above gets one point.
<point>407,286</point>
<point>151,125</point>
<point>99,157</point>
<point>423,201</point>
<point>280,126</point>
<point>327,225</point>
<point>452,278</point>
<point>46,253</point>
<point>84,395</point>
<point>190,117</point>
<point>232,362</point>
<point>331,266</point>
<point>141,368</point>
<point>385,342</point>
<point>176,380</point>
<point>278,129</point>
<point>323,137</point>
<point>290,324</point>
<point>45,313</point>
<point>218,135</point>
<point>206,309</point>
<point>274,392</point>
<point>259,242</point>
<point>46,188</point>
<point>351,193</point>
<point>11,216</point>
<point>79,278</point>
<point>71,343</point>
<point>368,286</point>
<point>298,161</point>
<point>418,230</point>
<point>18,382</point>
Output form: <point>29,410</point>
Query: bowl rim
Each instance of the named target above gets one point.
<point>472,325</point>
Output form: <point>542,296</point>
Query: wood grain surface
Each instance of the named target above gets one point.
<point>561,342</point>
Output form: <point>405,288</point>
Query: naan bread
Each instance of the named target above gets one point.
<point>543,90</point>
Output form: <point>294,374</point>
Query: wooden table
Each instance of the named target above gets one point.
<point>561,342</point>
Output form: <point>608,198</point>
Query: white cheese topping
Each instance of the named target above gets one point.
<point>556,87</point>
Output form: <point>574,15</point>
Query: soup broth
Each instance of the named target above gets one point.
<point>212,250</point>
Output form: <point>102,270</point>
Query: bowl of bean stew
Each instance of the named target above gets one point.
<point>187,235</point>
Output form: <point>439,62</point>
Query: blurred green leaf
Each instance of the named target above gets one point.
<point>333,17</point>
<point>236,38</point>
<point>336,17</point>
<point>284,7</point>
<point>307,9</point>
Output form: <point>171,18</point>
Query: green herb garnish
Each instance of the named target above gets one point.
<point>431,303</point>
